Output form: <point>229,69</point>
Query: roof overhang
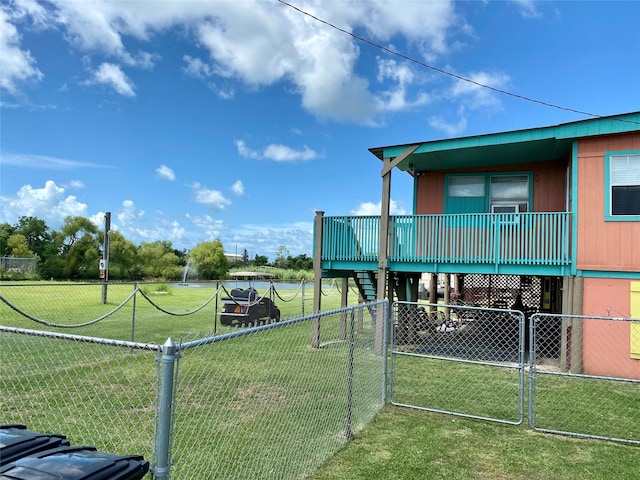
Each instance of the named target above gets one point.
<point>506,148</point>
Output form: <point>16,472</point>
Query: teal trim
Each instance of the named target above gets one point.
<point>610,274</point>
<point>574,206</point>
<point>607,188</point>
<point>627,122</point>
<point>461,205</point>
<point>492,243</point>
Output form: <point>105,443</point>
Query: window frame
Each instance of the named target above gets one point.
<point>487,188</point>
<point>608,216</point>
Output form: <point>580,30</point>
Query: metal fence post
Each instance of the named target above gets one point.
<point>164,411</point>
<point>350,374</point>
<point>133,314</point>
<point>385,349</point>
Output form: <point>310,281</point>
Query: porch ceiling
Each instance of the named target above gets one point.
<point>426,159</point>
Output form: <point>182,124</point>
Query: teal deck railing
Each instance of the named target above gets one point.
<point>509,239</point>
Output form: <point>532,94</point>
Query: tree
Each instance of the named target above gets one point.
<point>300,262</point>
<point>209,260</point>
<point>260,260</point>
<point>6,231</point>
<point>123,256</point>
<point>18,246</point>
<point>36,232</point>
<point>78,244</point>
<point>281,257</point>
<point>158,260</point>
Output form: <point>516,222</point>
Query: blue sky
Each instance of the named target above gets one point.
<point>236,120</point>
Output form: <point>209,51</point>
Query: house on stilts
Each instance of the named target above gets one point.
<point>539,220</point>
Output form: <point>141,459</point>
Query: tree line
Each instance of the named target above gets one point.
<point>74,253</point>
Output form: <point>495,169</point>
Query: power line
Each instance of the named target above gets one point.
<point>444,72</point>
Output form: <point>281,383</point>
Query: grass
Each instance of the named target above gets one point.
<point>240,402</point>
<point>268,400</point>
<point>73,308</point>
<point>407,444</point>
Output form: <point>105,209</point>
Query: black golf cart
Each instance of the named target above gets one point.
<point>245,307</point>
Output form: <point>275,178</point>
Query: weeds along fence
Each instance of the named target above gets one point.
<point>137,312</point>
<point>258,402</point>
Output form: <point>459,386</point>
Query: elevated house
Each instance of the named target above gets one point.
<point>540,220</point>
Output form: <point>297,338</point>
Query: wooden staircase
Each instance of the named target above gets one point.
<point>366,282</point>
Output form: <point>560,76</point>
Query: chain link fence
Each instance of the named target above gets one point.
<point>258,402</point>
<point>135,312</point>
<point>13,268</point>
<point>460,360</point>
<point>94,391</point>
<point>584,379</point>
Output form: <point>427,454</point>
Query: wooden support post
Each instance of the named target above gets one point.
<point>317,278</point>
<point>447,294</point>
<point>433,291</point>
<point>382,256</point>
<point>344,298</point>
<point>571,333</point>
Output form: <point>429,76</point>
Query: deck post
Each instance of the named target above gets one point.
<point>571,333</point>
<point>382,253</point>
<point>447,295</point>
<point>344,300</point>
<point>317,277</point>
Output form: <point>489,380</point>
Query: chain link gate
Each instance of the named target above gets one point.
<point>465,361</point>
<point>584,379</point>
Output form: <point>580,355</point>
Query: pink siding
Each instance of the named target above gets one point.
<point>430,194</point>
<point>603,245</point>
<point>606,344</point>
<point>549,186</point>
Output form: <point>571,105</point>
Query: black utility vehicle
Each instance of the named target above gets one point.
<point>244,307</point>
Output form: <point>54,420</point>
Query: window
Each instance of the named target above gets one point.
<point>622,186</point>
<point>462,186</point>
<point>509,193</point>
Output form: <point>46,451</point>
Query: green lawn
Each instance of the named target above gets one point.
<point>188,312</point>
<point>268,405</point>
<point>405,444</point>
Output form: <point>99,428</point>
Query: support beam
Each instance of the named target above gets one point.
<point>317,277</point>
<point>344,300</point>
<point>391,164</point>
<point>382,283</point>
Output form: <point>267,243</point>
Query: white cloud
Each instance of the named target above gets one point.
<point>265,239</point>
<point>16,65</point>
<point>78,184</point>
<point>197,68</point>
<point>129,214</point>
<point>212,199</point>
<point>49,202</point>
<point>42,162</point>
<point>238,188</point>
<point>207,226</point>
<point>451,128</point>
<point>370,208</point>
<point>476,96</point>
<point>136,227</point>
<point>260,44</point>
<point>112,75</point>
<point>528,8</point>
<point>276,152</point>
<point>396,98</point>
<point>165,172</point>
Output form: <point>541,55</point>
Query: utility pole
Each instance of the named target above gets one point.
<point>104,264</point>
